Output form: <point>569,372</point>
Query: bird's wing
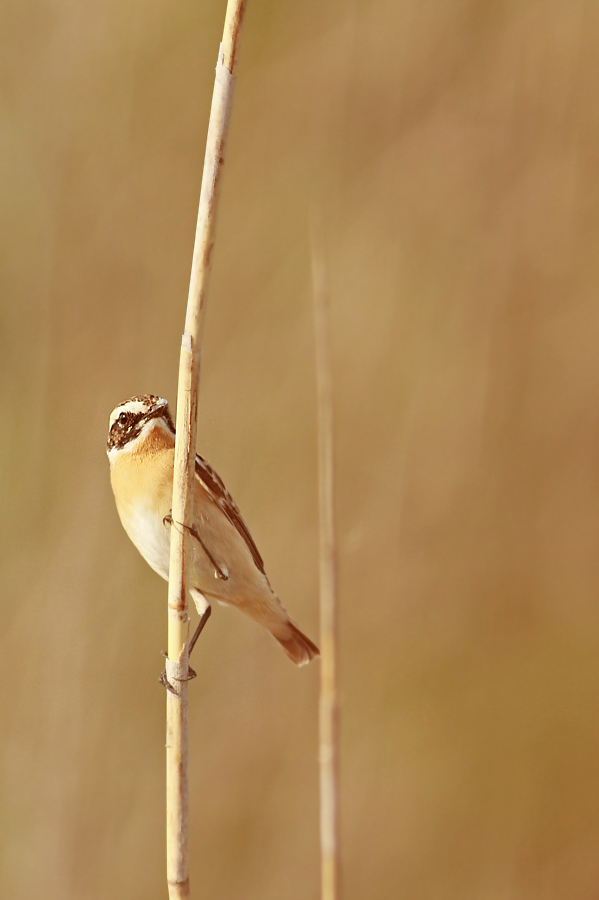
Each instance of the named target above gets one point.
<point>216,490</point>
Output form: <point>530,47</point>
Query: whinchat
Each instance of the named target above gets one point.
<point>225,564</point>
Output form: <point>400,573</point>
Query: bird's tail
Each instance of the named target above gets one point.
<point>296,645</point>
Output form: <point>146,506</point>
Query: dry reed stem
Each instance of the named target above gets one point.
<point>329,707</point>
<point>177,803</point>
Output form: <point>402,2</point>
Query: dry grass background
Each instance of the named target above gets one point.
<point>453,148</point>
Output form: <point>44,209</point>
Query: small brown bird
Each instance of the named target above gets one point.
<point>225,564</point>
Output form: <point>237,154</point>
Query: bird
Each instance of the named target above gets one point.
<point>225,564</point>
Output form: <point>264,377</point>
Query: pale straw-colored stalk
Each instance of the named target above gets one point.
<point>177,802</point>
<point>329,705</point>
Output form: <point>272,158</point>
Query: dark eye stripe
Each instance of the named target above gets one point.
<point>126,420</point>
<point>122,431</point>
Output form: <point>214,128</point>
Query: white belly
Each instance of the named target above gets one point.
<point>151,537</point>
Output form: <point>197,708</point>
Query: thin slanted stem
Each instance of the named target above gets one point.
<point>182,507</point>
<point>329,707</point>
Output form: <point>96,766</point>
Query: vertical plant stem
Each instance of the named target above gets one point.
<point>329,708</point>
<point>177,803</point>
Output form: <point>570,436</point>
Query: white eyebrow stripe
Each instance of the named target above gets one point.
<point>133,406</point>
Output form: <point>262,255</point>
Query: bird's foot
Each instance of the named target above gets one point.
<point>166,683</point>
<point>191,674</point>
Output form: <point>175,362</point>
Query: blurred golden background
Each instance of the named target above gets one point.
<point>452,149</point>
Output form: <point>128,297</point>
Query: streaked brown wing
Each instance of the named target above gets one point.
<point>218,492</point>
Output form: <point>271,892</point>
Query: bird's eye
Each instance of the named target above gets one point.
<point>122,419</point>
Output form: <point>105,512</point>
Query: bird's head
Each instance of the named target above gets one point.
<point>134,419</point>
